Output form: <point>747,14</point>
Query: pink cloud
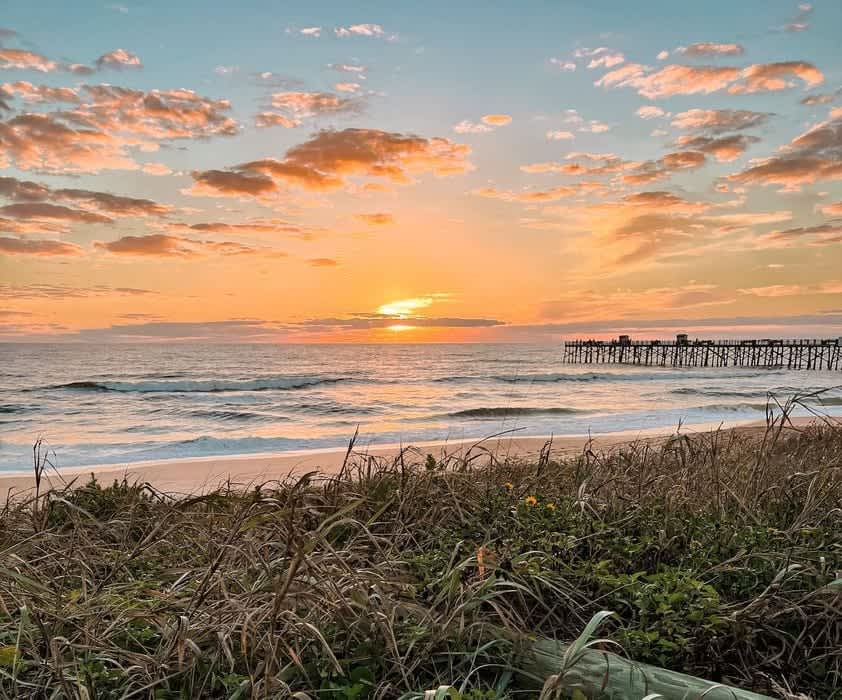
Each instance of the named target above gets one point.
<point>26,60</point>
<point>118,59</point>
<point>690,80</point>
<point>266,119</point>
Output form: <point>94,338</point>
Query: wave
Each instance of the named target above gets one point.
<point>245,416</point>
<point>202,385</point>
<point>509,411</point>
<point>558,377</point>
<point>727,407</point>
<point>724,393</point>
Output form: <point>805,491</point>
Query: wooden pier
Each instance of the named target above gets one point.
<point>825,354</point>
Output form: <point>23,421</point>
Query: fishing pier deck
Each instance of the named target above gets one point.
<point>683,352</point>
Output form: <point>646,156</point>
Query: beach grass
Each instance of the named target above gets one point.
<point>720,555</point>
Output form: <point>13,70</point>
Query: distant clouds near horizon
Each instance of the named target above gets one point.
<point>326,174</point>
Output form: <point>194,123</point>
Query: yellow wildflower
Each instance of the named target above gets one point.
<point>550,506</point>
<point>509,485</point>
<point>530,501</point>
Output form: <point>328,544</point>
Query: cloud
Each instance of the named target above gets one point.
<point>535,196</point>
<point>254,330</point>
<point>93,203</point>
<point>650,112</point>
<point>486,124</point>
<point>595,127</point>
<point>328,159</point>
<point>819,99</point>
<point>43,210</point>
<point>348,68</point>
<point>18,59</point>
<point>587,304</point>
<point>654,170</point>
<point>372,30</point>
<point>770,77</point>
<point>598,164</point>
<point>660,225</point>
<point>29,92</point>
<point>157,114</point>
<point>311,31</point>
<point>834,209</point>
<point>156,169</point>
<point>40,142</point>
<point>21,59</point>
<point>44,248</point>
<point>468,127</point>
<point>347,87</point>
<point>718,121</point>
<point>376,219</point>
<point>773,291</point>
<point>155,244</point>
<point>58,291</point>
<point>250,227</point>
<point>234,330</point>
<point>799,22</point>
<point>322,262</point>
<point>663,55</point>
<point>163,245</point>
<point>724,148</point>
<point>821,234</point>
<point>725,327</point>
<point>812,156</point>
<point>563,65</point>
<point>374,321</point>
<point>607,60</point>
<point>267,119</point>
<point>118,59</point>
<point>232,184</point>
<point>710,49</point>
<point>558,135</point>
<point>96,134</point>
<point>601,57</point>
<point>294,106</point>
<point>690,80</point>
<point>496,119</point>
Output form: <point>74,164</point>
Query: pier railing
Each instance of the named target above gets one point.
<point>800,353</point>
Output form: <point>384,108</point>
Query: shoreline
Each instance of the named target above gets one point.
<point>192,475</point>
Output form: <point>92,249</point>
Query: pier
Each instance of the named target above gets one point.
<point>810,354</point>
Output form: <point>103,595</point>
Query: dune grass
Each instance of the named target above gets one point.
<point>719,553</point>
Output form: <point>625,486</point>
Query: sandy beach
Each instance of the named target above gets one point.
<point>202,474</point>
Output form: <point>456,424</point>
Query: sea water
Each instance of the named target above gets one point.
<point>96,404</point>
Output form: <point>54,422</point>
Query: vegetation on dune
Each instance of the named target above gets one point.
<point>720,555</point>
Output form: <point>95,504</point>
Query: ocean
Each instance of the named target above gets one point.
<point>102,404</point>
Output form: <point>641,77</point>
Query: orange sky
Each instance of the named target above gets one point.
<point>405,177</point>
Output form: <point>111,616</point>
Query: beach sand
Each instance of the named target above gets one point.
<point>202,474</point>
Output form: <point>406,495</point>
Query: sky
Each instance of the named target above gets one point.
<point>412,172</point>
